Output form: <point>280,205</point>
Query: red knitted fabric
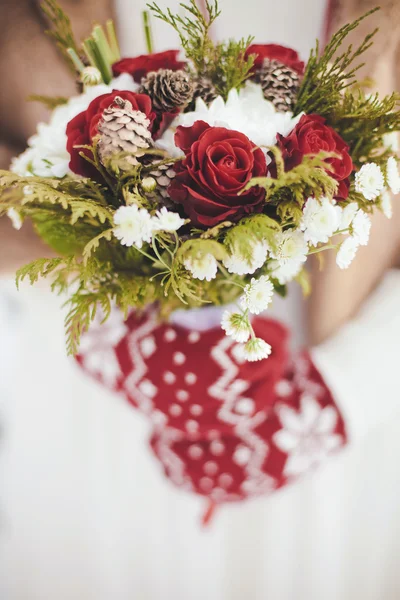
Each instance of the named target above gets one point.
<point>223,428</point>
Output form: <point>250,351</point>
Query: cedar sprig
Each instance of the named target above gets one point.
<point>61,30</point>
<point>362,120</point>
<point>328,75</point>
<point>193,30</point>
<point>225,64</point>
<point>231,67</point>
<point>50,102</point>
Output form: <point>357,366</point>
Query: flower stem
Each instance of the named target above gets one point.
<point>147,31</point>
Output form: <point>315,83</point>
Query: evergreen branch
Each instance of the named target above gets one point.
<point>95,243</point>
<point>50,102</point>
<point>83,310</point>
<point>42,267</point>
<point>82,208</point>
<point>327,76</point>
<point>193,29</point>
<point>240,239</point>
<point>61,30</point>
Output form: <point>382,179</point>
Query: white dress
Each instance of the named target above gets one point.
<point>85,512</point>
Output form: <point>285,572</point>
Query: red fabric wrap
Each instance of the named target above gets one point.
<point>222,428</point>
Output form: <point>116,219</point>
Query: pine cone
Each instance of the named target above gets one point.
<point>280,84</point>
<point>123,129</point>
<point>204,89</point>
<point>163,174</point>
<point>168,89</point>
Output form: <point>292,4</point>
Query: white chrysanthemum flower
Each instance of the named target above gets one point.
<point>320,220</point>
<point>290,246</point>
<point>347,215</point>
<point>15,218</point>
<point>133,225</point>
<point>235,263</point>
<point>347,252</point>
<point>256,349</point>
<point>290,253</point>
<point>257,295</point>
<point>393,176</point>
<point>166,220</point>
<point>202,267</point>
<point>361,227</point>
<point>236,325</point>
<point>47,155</point>
<point>386,204</point>
<point>369,181</point>
<point>246,111</point>
<point>284,273</point>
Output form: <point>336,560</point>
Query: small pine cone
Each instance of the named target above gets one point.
<point>163,174</point>
<point>280,84</point>
<point>204,89</point>
<point>123,129</point>
<point>168,89</point>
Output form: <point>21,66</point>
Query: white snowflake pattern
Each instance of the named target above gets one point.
<point>308,435</point>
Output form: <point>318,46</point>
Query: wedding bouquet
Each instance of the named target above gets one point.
<point>180,180</point>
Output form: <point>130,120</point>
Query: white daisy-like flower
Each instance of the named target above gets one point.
<point>246,111</point>
<point>236,325</point>
<point>133,225</point>
<point>235,263</point>
<point>166,220</point>
<point>347,252</point>
<point>290,247</point>
<point>257,295</point>
<point>361,227</point>
<point>392,174</point>
<point>386,204</point>
<point>47,155</point>
<point>203,267</point>
<point>320,220</point>
<point>369,181</point>
<point>284,273</point>
<point>256,349</point>
<point>15,218</point>
<point>347,215</point>
<point>308,434</point>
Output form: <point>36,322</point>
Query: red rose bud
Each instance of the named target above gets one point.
<point>311,136</point>
<point>139,66</point>
<point>82,129</point>
<point>219,163</point>
<point>287,56</point>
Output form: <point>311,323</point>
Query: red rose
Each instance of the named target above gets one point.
<point>83,128</point>
<point>287,56</point>
<point>219,163</point>
<point>139,66</point>
<point>310,136</point>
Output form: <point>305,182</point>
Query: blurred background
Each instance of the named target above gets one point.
<point>85,513</point>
